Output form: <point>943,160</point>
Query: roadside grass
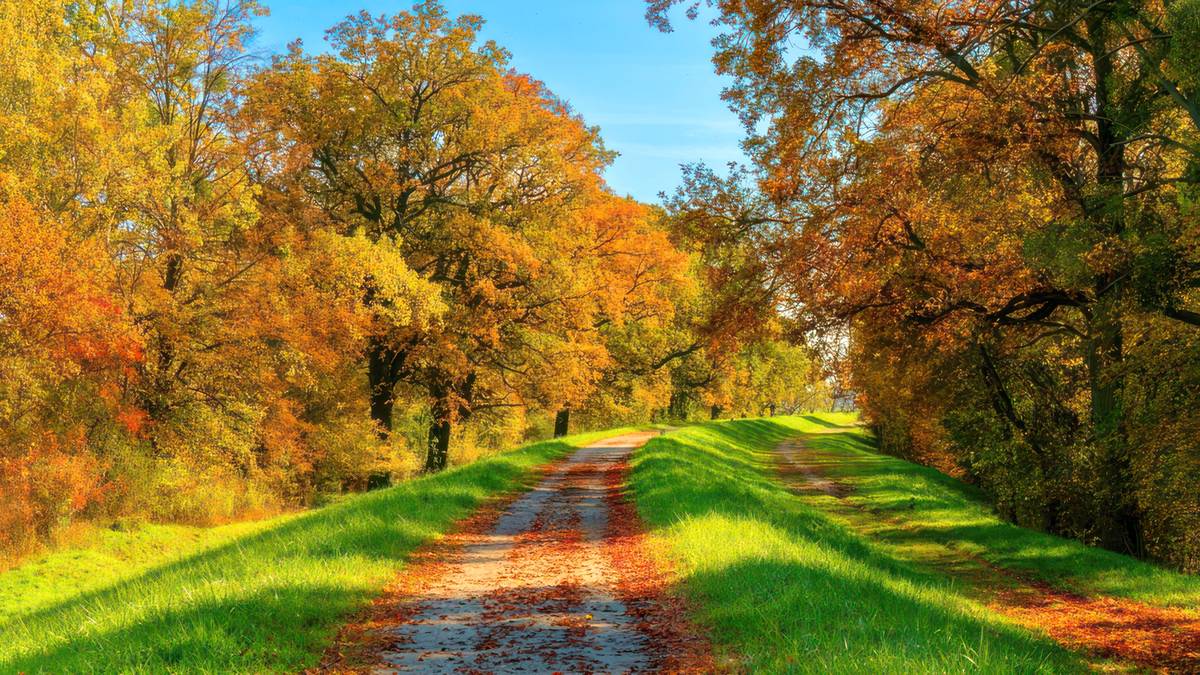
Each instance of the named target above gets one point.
<point>785,587</point>
<point>254,597</point>
<point>923,510</point>
<point>106,557</point>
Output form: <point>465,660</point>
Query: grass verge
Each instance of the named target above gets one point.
<point>785,587</point>
<point>920,512</point>
<point>266,597</point>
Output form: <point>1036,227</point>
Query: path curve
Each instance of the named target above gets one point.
<point>543,585</point>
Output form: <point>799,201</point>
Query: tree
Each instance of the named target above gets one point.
<point>735,235</point>
<point>1001,180</point>
<point>767,377</point>
<point>64,342</point>
<point>177,338</point>
<point>489,187</point>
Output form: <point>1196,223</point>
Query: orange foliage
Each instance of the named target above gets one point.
<point>219,277</point>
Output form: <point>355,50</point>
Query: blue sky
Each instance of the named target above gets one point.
<point>654,95</point>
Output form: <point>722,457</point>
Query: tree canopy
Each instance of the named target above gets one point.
<point>230,284</point>
<point>998,200</point>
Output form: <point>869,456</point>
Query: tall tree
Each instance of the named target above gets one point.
<point>413,133</point>
<point>985,171</point>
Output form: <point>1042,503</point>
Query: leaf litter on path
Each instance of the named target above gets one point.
<point>558,579</point>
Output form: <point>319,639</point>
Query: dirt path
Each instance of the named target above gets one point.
<point>557,580</point>
<point>802,465</point>
<point>1126,631</point>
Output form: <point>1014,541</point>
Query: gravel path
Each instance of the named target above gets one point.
<point>543,587</point>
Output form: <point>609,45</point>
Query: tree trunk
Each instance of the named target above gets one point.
<point>438,455</point>
<point>1002,403</point>
<point>1105,352</point>
<point>438,451</point>
<point>675,406</point>
<point>714,412</point>
<point>383,374</point>
<point>771,408</point>
<point>562,422</point>
<point>1117,516</point>
<point>157,401</point>
<point>1118,519</point>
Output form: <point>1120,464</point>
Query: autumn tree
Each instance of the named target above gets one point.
<point>736,236</point>
<point>413,133</point>
<point>203,275</point>
<point>65,340</point>
<point>1003,185</point>
<point>165,331</point>
<point>767,377</point>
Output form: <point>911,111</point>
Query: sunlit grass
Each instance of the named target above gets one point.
<point>107,556</point>
<point>255,597</point>
<point>786,588</point>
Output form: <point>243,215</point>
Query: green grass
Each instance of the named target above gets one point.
<point>107,557</point>
<point>785,587</point>
<point>924,510</point>
<point>266,596</point>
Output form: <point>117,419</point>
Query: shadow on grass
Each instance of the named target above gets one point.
<point>936,508</point>
<point>821,422</point>
<point>277,624</point>
<point>790,588</point>
<point>267,601</point>
<point>867,462</point>
<point>789,616</point>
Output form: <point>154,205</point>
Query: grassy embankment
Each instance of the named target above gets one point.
<point>919,512</point>
<point>246,597</point>
<point>787,584</point>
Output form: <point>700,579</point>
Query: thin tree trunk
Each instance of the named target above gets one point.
<point>1118,519</point>
<point>714,412</point>
<point>439,446</point>
<point>438,450</point>
<point>157,400</point>
<point>674,405</point>
<point>1002,403</point>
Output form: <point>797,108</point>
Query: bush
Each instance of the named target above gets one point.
<point>348,454</point>
<point>42,488</point>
